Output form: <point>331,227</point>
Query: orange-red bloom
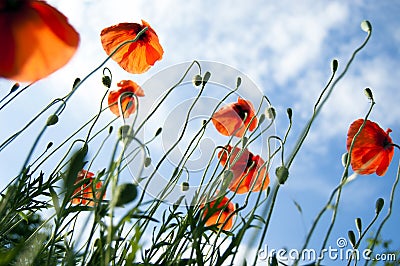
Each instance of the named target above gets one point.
<point>234,118</point>
<point>36,40</point>
<point>249,171</point>
<point>373,148</point>
<point>135,57</point>
<point>125,96</point>
<point>220,215</point>
<point>84,194</point>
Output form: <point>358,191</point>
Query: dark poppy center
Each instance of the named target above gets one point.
<point>250,160</point>
<point>12,5</point>
<point>240,111</point>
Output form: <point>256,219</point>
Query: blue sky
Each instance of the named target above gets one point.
<point>285,48</point>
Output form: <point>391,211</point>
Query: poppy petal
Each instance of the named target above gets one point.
<point>372,151</point>
<point>135,57</point>
<point>37,39</point>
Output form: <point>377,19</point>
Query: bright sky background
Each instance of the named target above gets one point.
<point>286,48</point>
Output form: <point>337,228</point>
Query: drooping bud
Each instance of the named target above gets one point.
<point>379,205</point>
<point>270,113</point>
<point>369,94</point>
<point>125,193</point>
<point>282,173</point>
<point>158,132</point>
<point>289,113</point>
<point>359,225</point>
<point>123,131</point>
<point>345,157</point>
<point>106,81</point>
<point>147,162</point>
<point>185,186</point>
<point>352,237</point>
<point>76,82</point>
<point>366,26</point>
<point>335,65</point>
<point>206,77</point>
<point>52,120</point>
<point>197,80</point>
<point>14,87</point>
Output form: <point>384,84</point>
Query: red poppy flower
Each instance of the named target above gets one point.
<point>84,194</point>
<point>249,171</point>
<point>233,119</point>
<point>221,215</point>
<point>372,150</point>
<point>36,40</point>
<point>128,101</point>
<point>135,57</point>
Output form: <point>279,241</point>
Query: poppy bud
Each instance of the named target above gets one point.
<point>106,81</point>
<point>366,26</point>
<point>238,82</point>
<point>123,131</point>
<point>125,193</point>
<point>158,132</point>
<point>270,113</point>
<point>197,79</point>
<point>206,77</point>
<point>261,119</point>
<point>185,186</point>
<point>147,162</point>
<point>352,237</point>
<point>49,145</point>
<point>368,93</point>
<point>379,205</point>
<point>14,87</point>
<point>282,173</point>
<point>359,224</point>
<point>289,113</point>
<point>335,65</point>
<point>76,82</point>
<point>52,120</point>
<point>345,157</point>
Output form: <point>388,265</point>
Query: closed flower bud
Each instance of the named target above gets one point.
<point>368,93</point>
<point>147,162</point>
<point>14,87</point>
<point>106,81</point>
<point>125,193</point>
<point>289,113</point>
<point>197,80</point>
<point>52,120</point>
<point>345,157</point>
<point>359,225</point>
<point>206,77</point>
<point>335,65</point>
<point>379,205</point>
<point>270,113</point>
<point>123,131</point>
<point>366,26</point>
<point>282,173</point>
<point>76,82</point>
<point>352,237</point>
<point>185,186</point>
